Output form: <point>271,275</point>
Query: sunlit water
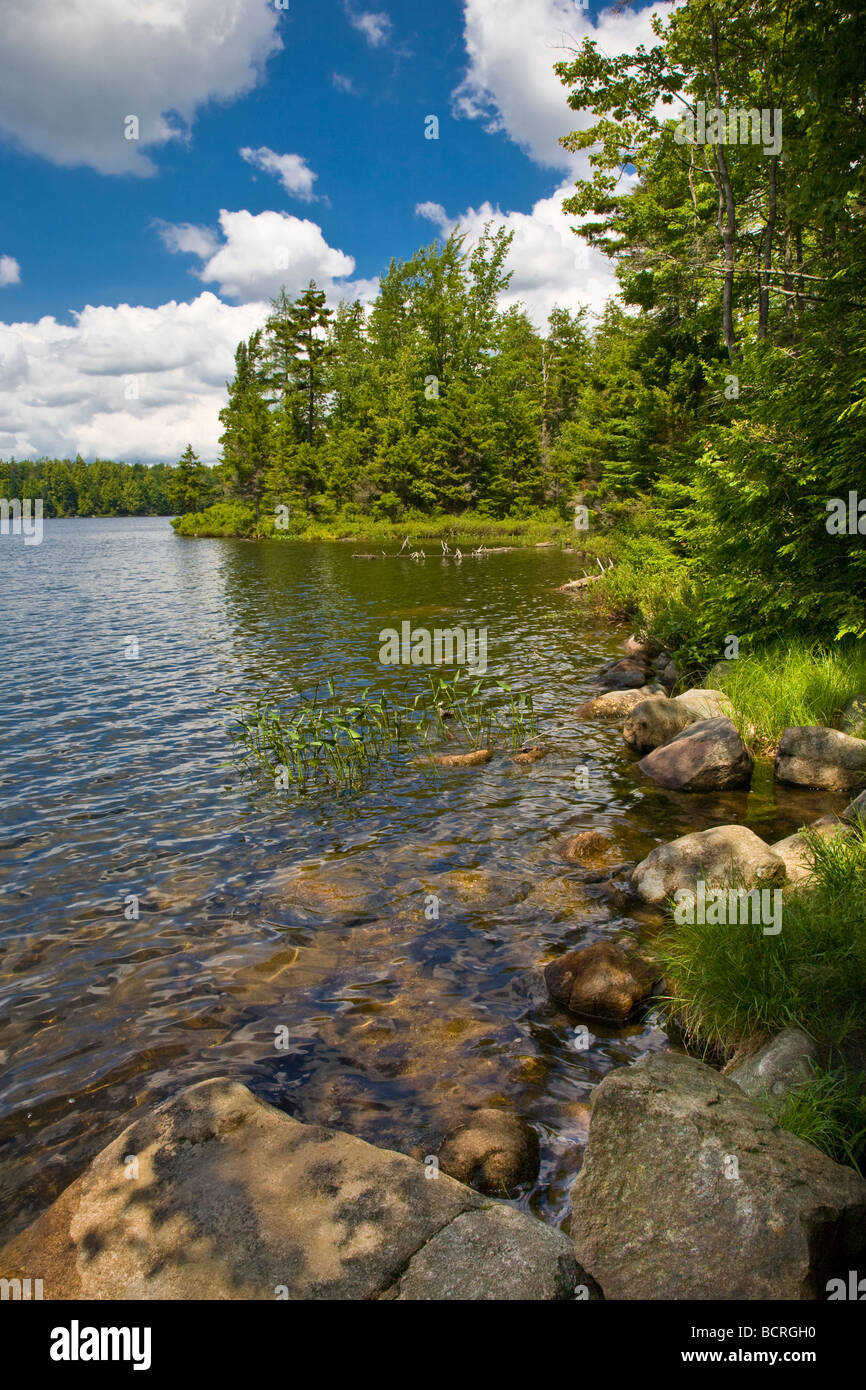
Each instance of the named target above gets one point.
<point>261,912</point>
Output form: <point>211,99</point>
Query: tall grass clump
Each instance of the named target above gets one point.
<point>730,982</point>
<point>829,1111</point>
<point>792,683</point>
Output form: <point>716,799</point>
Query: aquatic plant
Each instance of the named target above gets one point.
<point>324,740</point>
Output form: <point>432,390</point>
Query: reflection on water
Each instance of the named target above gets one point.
<point>257,912</point>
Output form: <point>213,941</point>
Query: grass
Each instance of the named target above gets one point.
<point>792,683</point>
<point>468,531</point>
<point>729,982</point>
<point>323,740</point>
<point>829,1111</point>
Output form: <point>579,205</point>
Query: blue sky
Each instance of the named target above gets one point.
<point>130,268</point>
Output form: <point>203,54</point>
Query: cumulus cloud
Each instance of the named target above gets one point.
<point>10,271</point>
<point>292,170</point>
<point>510,84</point>
<point>71,74</point>
<point>260,252</point>
<point>123,382</point>
<point>376,27</point>
<point>550,264</point>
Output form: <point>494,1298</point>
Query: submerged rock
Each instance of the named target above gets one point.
<point>812,756</point>
<point>494,1151</point>
<point>589,847</point>
<point>707,756</point>
<point>473,759</point>
<point>616,703</point>
<point>689,1190</point>
<point>778,1068</point>
<point>216,1195</point>
<point>530,755</point>
<point>604,981</point>
<point>652,723</point>
<point>725,856</point>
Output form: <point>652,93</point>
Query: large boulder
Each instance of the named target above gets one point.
<point>777,1069</point>
<point>652,723</point>
<point>615,704</point>
<point>493,1151</point>
<point>855,810</point>
<point>725,856</point>
<point>688,1190</point>
<point>604,981</point>
<point>707,756</point>
<point>812,756</point>
<point>534,1262</point>
<point>216,1195</point>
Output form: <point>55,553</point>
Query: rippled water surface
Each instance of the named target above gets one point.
<point>260,912</point>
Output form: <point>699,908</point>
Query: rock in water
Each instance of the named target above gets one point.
<point>725,856</point>
<point>616,703</point>
<point>623,675</point>
<point>493,1151</point>
<point>216,1195</point>
<point>812,756</point>
<point>652,723</point>
<point>689,1190</point>
<point>601,981</point>
<point>707,756</point>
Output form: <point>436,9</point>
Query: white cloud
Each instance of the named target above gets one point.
<point>344,84</point>
<point>550,264</point>
<point>71,73</point>
<point>292,170</point>
<point>376,27</point>
<point>126,382</point>
<point>510,83</point>
<point>10,271</point>
<point>261,252</point>
<point>188,238</point>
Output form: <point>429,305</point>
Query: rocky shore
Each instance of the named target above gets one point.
<point>688,1188</point>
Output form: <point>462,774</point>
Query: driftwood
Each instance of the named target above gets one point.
<point>572,584</point>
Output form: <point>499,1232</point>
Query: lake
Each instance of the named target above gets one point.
<point>282,940</point>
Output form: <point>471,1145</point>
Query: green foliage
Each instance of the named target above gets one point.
<point>729,408</point>
<point>729,982</point>
<point>789,684</point>
<point>829,1111</point>
<point>223,519</point>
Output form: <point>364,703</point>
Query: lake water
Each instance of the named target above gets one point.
<point>261,912</point>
